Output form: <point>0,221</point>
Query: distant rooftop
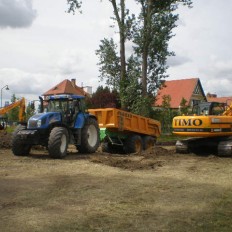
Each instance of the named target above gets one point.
<point>179,89</point>
<point>66,87</point>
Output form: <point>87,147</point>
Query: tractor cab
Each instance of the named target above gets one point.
<point>67,105</point>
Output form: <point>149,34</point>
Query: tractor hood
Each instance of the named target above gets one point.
<point>43,120</point>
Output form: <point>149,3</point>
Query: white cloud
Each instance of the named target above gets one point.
<point>69,62</point>
<point>204,38</point>
<point>16,13</point>
<point>60,46</point>
<point>177,60</point>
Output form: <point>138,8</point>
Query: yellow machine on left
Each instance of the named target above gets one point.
<point>22,106</point>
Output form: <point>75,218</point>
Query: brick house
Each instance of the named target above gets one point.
<point>189,89</point>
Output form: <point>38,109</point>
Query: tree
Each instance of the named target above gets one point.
<point>166,113</point>
<point>184,106</point>
<point>13,115</point>
<point>30,110</point>
<point>109,63</point>
<point>74,5</point>
<point>104,98</point>
<point>124,23</point>
<point>149,32</point>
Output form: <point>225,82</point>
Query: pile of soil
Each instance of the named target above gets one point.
<point>144,161</point>
<point>5,139</point>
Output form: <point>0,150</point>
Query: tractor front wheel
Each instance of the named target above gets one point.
<point>58,143</point>
<point>19,145</point>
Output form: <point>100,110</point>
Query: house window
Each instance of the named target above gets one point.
<point>195,102</point>
<point>197,90</point>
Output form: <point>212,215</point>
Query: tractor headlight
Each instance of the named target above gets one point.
<point>39,123</point>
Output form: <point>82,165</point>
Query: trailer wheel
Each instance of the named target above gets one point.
<point>133,144</point>
<point>106,147</point>
<point>90,137</point>
<point>19,146</point>
<point>148,142</point>
<point>113,149</point>
<point>58,142</point>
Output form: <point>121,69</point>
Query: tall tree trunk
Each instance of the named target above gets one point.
<point>147,14</point>
<point>122,41</point>
<point>144,71</point>
<point>121,25</point>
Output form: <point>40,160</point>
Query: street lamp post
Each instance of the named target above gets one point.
<point>5,87</point>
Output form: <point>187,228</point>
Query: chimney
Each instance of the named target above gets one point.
<point>73,82</point>
<point>212,95</point>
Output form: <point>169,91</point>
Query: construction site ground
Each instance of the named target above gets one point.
<point>158,190</point>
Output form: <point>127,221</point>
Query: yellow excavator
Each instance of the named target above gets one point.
<point>22,106</point>
<point>211,126</point>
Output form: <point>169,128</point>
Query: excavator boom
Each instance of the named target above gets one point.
<point>21,103</point>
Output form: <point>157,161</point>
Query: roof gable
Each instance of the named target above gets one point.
<point>65,87</point>
<point>179,89</point>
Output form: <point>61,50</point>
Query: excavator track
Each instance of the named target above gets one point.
<point>225,147</point>
<point>221,146</point>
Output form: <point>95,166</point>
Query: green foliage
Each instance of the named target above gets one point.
<point>30,110</point>
<point>13,115</point>
<point>74,5</point>
<point>109,63</point>
<point>131,94</point>
<point>103,98</point>
<point>165,114</point>
<point>166,102</point>
<point>184,108</point>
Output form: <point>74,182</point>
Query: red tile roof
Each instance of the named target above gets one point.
<point>227,100</point>
<point>177,89</point>
<point>67,87</point>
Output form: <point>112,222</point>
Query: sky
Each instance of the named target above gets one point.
<point>41,45</point>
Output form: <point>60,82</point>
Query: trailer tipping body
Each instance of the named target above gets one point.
<point>120,128</point>
<point>116,119</point>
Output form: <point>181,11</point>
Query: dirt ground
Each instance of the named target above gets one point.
<point>158,190</point>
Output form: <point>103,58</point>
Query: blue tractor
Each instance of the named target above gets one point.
<point>63,120</point>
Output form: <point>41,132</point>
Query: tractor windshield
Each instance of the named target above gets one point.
<point>58,106</point>
<point>64,105</point>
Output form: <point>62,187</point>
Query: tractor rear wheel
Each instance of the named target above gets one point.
<point>133,144</point>
<point>90,137</point>
<point>58,143</point>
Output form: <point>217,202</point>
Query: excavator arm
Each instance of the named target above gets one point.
<point>228,111</point>
<point>22,106</point>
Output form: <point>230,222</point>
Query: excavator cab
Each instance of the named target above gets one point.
<point>208,108</point>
